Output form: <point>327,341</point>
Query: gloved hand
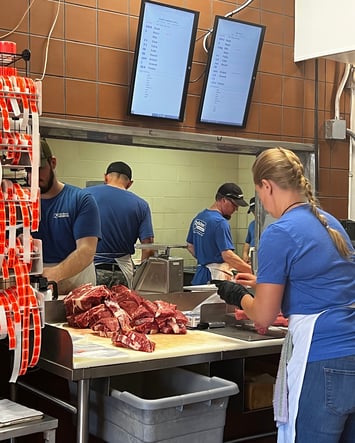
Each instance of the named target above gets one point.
<point>232,293</point>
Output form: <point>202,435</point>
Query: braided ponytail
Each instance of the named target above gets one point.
<point>284,167</point>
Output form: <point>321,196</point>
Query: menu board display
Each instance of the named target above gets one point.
<point>162,61</point>
<point>231,71</point>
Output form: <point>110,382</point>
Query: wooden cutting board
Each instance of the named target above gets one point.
<point>90,349</point>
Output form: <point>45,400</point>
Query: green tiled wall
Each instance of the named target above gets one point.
<point>177,184</point>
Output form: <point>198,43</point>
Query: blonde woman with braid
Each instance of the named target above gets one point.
<point>306,269</point>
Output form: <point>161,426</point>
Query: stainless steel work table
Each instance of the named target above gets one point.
<point>79,355</point>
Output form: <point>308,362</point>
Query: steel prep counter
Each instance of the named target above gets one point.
<point>79,355</point>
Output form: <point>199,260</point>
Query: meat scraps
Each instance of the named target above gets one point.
<point>133,340</point>
<point>279,321</point>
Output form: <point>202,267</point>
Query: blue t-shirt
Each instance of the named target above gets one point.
<point>210,234</point>
<point>297,251</point>
<point>125,218</point>
<point>65,218</point>
<point>250,238</point>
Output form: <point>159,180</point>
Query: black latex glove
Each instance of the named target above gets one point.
<point>232,293</point>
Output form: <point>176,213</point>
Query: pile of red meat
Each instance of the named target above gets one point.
<point>123,315</point>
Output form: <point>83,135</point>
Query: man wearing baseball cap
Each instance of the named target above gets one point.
<point>125,218</point>
<point>209,238</point>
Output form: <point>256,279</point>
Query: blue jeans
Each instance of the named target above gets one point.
<point>326,411</point>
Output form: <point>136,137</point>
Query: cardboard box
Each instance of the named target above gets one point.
<point>259,391</point>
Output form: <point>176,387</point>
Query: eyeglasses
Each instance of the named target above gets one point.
<point>236,206</point>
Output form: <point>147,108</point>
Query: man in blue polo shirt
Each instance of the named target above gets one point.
<point>69,228</point>
<point>210,240</point>
<point>125,218</point>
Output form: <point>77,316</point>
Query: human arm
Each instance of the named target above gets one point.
<point>191,249</point>
<point>262,308</point>
<point>275,254</point>
<point>75,262</point>
<point>234,261</point>
<point>245,253</point>
<point>147,252</point>
<point>146,233</point>
<point>265,306</point>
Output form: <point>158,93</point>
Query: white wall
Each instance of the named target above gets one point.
<point>177,184</point>
<point>325,28</point>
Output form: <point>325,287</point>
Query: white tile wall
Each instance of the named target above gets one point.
<point>177,184</point>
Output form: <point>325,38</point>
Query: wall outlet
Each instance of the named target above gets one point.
<point>335,129</point>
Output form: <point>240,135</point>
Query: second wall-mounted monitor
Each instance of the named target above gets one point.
<point>162,61</point>
<point>230,72</point>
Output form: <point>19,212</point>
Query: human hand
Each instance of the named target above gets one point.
<point>50,273</point>
<point>231,293</point>
<point>246,279</point>
<point>260,329</point>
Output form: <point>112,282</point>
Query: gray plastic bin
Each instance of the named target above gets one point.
<point>169,405</point>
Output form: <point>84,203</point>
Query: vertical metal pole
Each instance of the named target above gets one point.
<point>82,431</point>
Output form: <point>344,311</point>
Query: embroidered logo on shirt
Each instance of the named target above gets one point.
<point>199,227</point>
<point>61,215</point>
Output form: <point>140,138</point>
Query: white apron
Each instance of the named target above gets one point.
<point>300,328</point>
<point>126,265</point>
<point>87,275</point>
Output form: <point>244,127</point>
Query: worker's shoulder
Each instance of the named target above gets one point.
<point>72,190</point>
<point>137,202</point>
<point>77,196</point>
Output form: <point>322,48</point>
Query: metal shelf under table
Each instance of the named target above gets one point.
<point>47,425</point>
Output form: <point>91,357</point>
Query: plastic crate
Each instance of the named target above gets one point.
<point>169,405</point>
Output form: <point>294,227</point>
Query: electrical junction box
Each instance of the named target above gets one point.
<point>335,129</point>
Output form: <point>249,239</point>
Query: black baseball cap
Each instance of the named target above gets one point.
<point>251,205</point>
<point>232,192</point>
<point>120,168</point>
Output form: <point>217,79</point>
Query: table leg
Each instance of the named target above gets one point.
<point>82,431</point>
<point>49,436</point>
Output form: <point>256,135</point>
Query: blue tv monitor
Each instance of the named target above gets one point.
<point>162,61</point>
<point>231,69</point>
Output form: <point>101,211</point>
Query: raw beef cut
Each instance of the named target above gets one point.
<point>146,325</point>
<point>164,309</point>
<point>106,326</point>
<point>127,299</point>
<point>170,320</point>
<point>133,340</point>
<point>85,297</point>
<point>123,318</point>
<point>91,316</point>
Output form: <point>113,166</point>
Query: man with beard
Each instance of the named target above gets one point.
<point>69,228</point>
<point>209,238</point>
